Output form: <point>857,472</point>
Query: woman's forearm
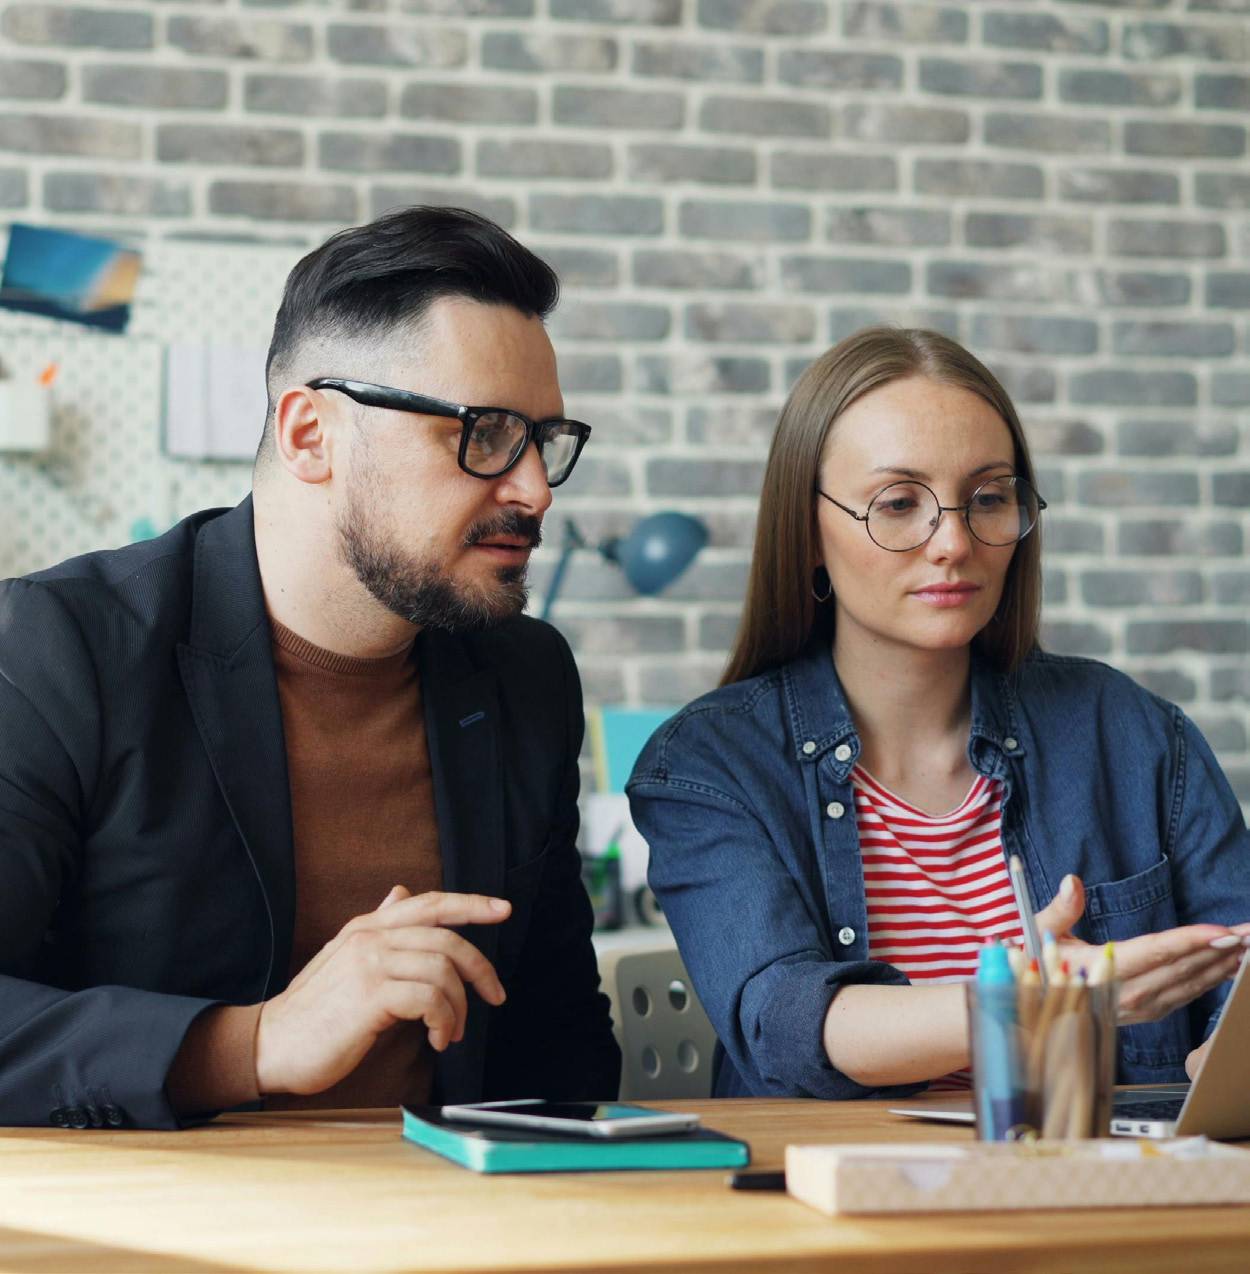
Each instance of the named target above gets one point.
<point>883,1035</point>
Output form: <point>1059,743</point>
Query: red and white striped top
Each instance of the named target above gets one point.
<point>936,885</point>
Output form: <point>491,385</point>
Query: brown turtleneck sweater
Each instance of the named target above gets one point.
<point>362,810</point>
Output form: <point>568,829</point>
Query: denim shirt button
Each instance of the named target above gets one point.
<point>846,935</point>
<point>835,809</point>
<point>808,748</point>
<point>842,752</point>
<point>1011,744</point>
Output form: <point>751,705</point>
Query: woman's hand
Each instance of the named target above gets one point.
<point>1157,972</point>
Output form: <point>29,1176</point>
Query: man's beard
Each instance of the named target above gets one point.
<point>422,592</point>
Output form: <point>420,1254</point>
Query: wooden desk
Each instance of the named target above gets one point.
<point>345,1192</point>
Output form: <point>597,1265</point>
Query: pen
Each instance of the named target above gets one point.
<point>1019,887</point>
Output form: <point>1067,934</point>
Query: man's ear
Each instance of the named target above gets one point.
<point>301,438</point>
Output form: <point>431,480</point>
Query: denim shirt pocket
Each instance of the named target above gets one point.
<point>1115,911</point>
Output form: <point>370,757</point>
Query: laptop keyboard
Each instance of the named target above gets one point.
<point>1160,1108</point>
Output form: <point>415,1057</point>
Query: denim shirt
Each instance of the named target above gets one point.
<point>745,799</point>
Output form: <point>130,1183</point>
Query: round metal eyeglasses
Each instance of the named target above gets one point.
<point>905,515</point>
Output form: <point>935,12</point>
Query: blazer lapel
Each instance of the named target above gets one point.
<point>227,672</point>
<point>462,727</point>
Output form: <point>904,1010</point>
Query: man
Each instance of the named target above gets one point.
<point>255,775</point>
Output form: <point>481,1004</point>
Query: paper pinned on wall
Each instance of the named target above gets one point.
<point>215,401</point>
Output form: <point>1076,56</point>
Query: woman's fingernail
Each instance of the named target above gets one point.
<point>1245,942</point>
<point>1067,887</point>
<point>500,905</point>
<point>1225,942</point>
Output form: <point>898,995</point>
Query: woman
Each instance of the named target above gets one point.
<point>829,828</point>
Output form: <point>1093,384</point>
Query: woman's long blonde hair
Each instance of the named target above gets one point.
<point>780,614</point>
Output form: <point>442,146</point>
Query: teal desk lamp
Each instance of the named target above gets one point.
<point>654,553</point>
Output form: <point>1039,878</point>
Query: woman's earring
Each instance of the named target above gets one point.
<point>817,575</point>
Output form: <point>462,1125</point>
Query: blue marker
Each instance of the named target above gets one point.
<point>999,1095</point>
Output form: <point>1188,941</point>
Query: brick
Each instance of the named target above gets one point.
<point>601,683</point>
<point>663,163</point>
<point>1194,239</point>
<point>229,144</point>
<point>751,324</point>
<point>315,97</point>
<point>1027,334</point>
<point>468,104</point>
<point>1176,438</point>
<point>712,581</point>
<point>1054,588</point>
<point>845,274</point>
<point>466,8</point>
<point>70,135</point>
<point>721,63</point>
<point>904,23</point>
<point>1168,683</point>
<point>1132,287</point>
<point>718,630</point>
<point>1229,290</point>
<point>764,17</point>
<point>1150,41</point>
<point>873,122</point>
<point>597,214</point>
<point>1232,489</point>
<point>1126,488</point>
<point>690,373</point>
<point>764,117</point>
<point>538,160</point>
<point>13,189</point>
<point>677,475</point>
<point>1232,588</point>
<point>1222,190</point>
<point>145,86</point>
<point>1072,535</point>
<point>32,81</point>
<point>655,13</point>
<point>590,374</point>
<point>1231,389</point>
<point>674,683</point>
<point>387,152</point>
<point>1027,384</point>
<point>1222,92</point>
<point>68,26</point>
<point>823,170</point>
<point>1224,734</point>
<point>754,222</point>
<point>1231,684</point>
<point>606,108</point>
<point>409,44</point>
<point>1050,233</point>
<point>624,634</point>
<point>978,178</point>
<point>597,476</point>
<point>1211,635</point>
<point>1016,81</point>
<point>696,270</point>
<point>1049,134</point>
<point>583,267</point>
<point>1064,438</point>
<point>1070,637</point>
<point>624,426</point>
<point>733,425</point>
<point>1119,185</point>
<point>385,196</point>
<point>839,71</point>
<point>528,51</point>
<point>1045,32</point>
<point>1187,340</point>
<point>1187,537</point>
<point>262,39</point>
<point>969,280</point>
<point>1122,587</point>
<point>611,321</point>
<point>1184,140</point>
<point>844,321</point>
<point>128,195</point>
<point>1096,86</point>
<point>898,227</point>
<point>283,201</point>
<point>1115,387</point>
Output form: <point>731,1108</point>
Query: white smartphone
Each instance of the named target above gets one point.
<point>575,1118</point>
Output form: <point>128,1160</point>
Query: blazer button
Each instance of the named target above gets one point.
<point>846,935</point>
<point>808,748</point>
<point>835,809</point>
<point>842,752</point>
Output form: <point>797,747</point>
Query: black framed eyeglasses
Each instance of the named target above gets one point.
<point>905,515</point>
<point>492,439</point>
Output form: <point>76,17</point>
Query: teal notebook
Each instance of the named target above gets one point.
<point>523,1150</point>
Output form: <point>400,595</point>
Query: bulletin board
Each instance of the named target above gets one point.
<point>105,479</point>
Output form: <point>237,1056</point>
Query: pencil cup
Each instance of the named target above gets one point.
<point>1043,1060</point>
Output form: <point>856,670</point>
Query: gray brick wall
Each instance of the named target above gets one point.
<point>728,186</point>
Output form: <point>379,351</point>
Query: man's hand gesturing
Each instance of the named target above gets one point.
<point>400,963</point>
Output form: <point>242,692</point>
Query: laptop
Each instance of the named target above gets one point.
<point>1216,1104</point>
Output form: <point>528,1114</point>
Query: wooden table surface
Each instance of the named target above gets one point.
<point>343,1191</point>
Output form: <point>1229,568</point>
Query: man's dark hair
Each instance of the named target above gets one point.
<point>372,278</point>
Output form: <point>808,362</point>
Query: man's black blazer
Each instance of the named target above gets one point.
<point>146,866</point>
